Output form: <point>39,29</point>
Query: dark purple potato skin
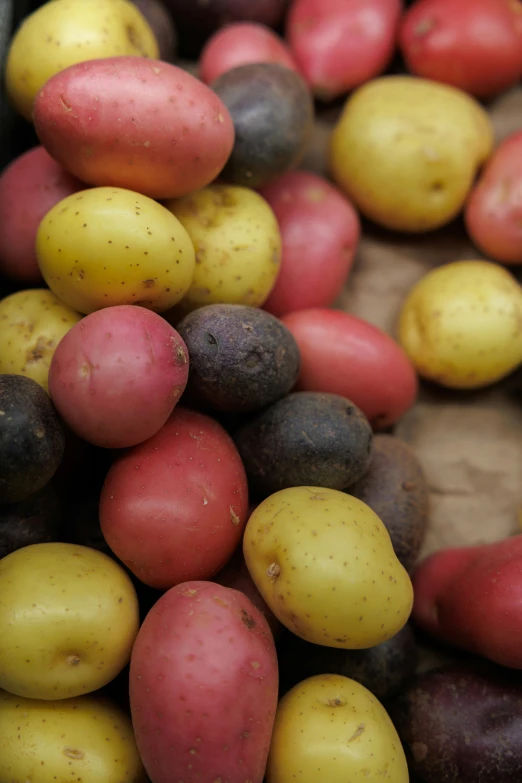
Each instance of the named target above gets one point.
<point>395,488</point>
<point>305,439</point>
<point>35,520</point>
<point>162,24</point>
<point>462,724</point>
<point>32,439</point>
<point>242,359</point>
<point>273,113</point>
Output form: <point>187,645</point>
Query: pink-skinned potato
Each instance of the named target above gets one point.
<point>174,508</point>
<point>116,376</point>
<point>29,187</point>
<point>204,687</point>
<point>135,123</point>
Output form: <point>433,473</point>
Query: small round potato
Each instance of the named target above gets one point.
<point>237,242</point>
<point>461,324</point>
<point>32,323</point>
<point>110,246</point>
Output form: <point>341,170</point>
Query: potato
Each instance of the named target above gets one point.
<point>32,323</point>
<point>68,620</point>
<point>134,123</point>
<point>237,242</point>
<point>324,563</point>
<point>110,246</point>
<point>84,739</point>
<point>162,25</point>
<point>407,151</point>
<point>305,438</point>
<point>461,324</point>
<point>116,376</point>
<point>241,358</point>
<point>203,686</point>
<point>35,520</point>
<point>31,438</point>
<point>64,32</point>
<point>337,732</point>
<point>273,112</point>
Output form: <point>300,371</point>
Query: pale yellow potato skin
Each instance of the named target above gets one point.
<point>324,563</point>
<point>68,619</point>
<point>461,324</point>
<point>407,150</point>
<point>238,245</point>
<point>85,738</point>
<point>32,323</point>
<point>330,728</point>
<point>111,246</point>
<point>64,32</point>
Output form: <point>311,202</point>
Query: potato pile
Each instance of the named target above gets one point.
<point>210,534</point>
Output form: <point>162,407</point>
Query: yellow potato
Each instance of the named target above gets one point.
<point>406,151</point>
<point>68,619</point>
<point>111,246</point>
<point>85,739</point>
<point>237,242</point>
<point>330,729</point>
<point>32,323</point>
<point>461,324</point>
<point>324,563</point>
<point>64,32</point>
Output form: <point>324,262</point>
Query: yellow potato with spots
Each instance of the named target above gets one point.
<point>110,246</point>
<point>238,245</point>
<point>325,565</point>
<point>85,739</point>
<point>461,324</point>
<point>63,32</point>
<point>69,616</point>
<point>32,323</point>
<point>330,728</point>
<point>407,150</point>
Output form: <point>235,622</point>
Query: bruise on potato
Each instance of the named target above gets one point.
<point>307,438</point>
<point>35,520</point>
<point>395,488</point>
<point>241,358</point>
<point>272,111</point>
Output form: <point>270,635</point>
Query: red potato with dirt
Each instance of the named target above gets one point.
<point>320,231</point>
<point>117,374</point>
<point>175,507</point>
<point>340,44</point>
<point>204,687</point>
<point>342,354</point>
<point>493,213</point>
<point>471,44</point>
<point>239,44</point>
<point>135,123</point>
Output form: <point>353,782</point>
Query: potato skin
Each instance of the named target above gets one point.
<point>273,112</point>
<point>317,719</point>
<point>35,520</point>
<point>87,737</point>
<point>162,25</point>
<point>134,123</point>
<point>109,246</point>
<point>200,646</point>
<point>305,438</point>
<point>394,486</point>
<point>325,565</point>
<point>241,358</point>
<point>461,324</point>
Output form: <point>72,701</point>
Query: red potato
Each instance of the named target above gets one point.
<point>135,123</point>
<point>342,354</point>
<point>239,44</point>
<point>471,597</point>
<point>204,687</point>
<point>175,507</point>
<point>320,230</point>
<point>493,213</point>
<point>339,44</point>
<point>475,45</point>
<point>116,376</point>
<point>29,187</point>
